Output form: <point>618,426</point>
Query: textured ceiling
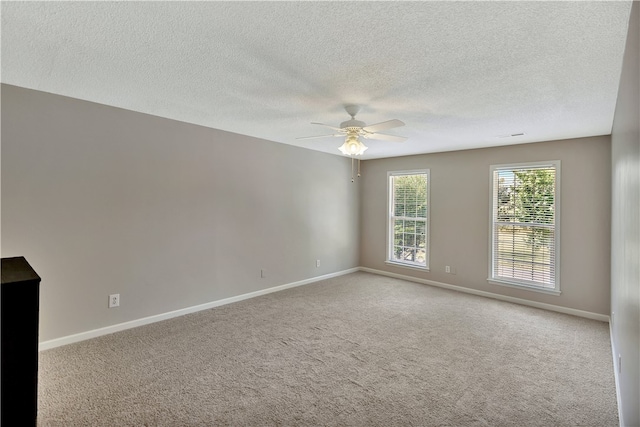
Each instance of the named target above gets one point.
<point>459,74</point>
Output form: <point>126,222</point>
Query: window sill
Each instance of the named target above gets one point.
<point>555,292</point>
<point>411,267</point>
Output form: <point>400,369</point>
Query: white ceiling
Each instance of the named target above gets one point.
<point>459,74</point>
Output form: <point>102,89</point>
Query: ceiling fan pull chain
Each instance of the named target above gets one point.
<point>351,169</point>
<point>358,168</point>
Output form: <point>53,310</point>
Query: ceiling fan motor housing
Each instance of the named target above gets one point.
<point>352,125</point>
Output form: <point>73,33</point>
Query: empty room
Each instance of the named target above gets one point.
<point>320,213</point>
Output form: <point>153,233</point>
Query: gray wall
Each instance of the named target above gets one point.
<point>170,215</point>
<point>625,230</point>
<point>460,217</point>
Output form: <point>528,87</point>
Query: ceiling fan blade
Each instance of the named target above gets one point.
<point>386,137</point>
<point>320,136</point>
<point>384,125</point>
<point>330,127</point>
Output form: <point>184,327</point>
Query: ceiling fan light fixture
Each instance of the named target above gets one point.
<point>352,146</point>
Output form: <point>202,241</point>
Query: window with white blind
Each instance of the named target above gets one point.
<point>408,233</point>
<point>525,220</point>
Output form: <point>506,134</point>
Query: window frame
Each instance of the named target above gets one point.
<point>390,218</point>
<point>522,284</point>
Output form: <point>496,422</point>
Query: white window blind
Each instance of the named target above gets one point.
<point>524,225</point>
<point>408,218</point>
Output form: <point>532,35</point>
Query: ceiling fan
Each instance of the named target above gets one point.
<point>353,129</point>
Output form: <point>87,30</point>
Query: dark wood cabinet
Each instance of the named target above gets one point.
<point>19,301</point>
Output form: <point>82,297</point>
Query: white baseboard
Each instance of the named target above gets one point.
<point>550,307</point>
<point>615,375</point>
<point>69,339</point>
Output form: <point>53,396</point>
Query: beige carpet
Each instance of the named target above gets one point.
<point>358,350</point>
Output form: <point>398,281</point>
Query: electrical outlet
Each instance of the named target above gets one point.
<point>447,269</point>
<point>114,300</point>
<point>619,364</point>
<point>263,273</point>
<point>317,263</point>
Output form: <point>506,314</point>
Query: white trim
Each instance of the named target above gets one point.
<point>524,286</point>
<point>544,306</point>
<point>427,223</point>
<point>615,375</point>
<point>407,265</point>
<point>525,165</point>
<point>69,339</point>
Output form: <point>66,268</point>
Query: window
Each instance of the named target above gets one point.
<point>525,225</point>
<point>408,238</point>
